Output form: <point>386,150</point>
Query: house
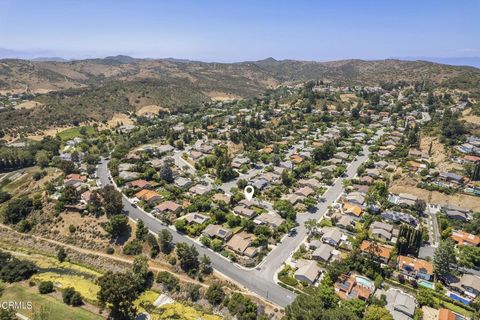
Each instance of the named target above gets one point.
<point>141,184</point>
<point>164,148</point>
<point>400,305</point>
<point>468,285</point>
<point>195,217</point>
<point>352,210</point>
<point>126,166</point>
<point>332,236</point>
<point>345,221</point>
<point>307,271</point>
<point>148,196</point>
<point>383,230</point>
<point>200,189</point>
<point>456,213</point>
<point>446,314</point>
<point>465,238</point>
<point>415,267</point>
<point>182,182</point>
<point>406,199</point>
<point>381,251</point>
<point>195,155</point>
<point>245,212</point>
<point>241,243</point>
<point>305,192</point>
<point>271,219</point>
<point>129,175</point>
<point>396,216</point>
<point>87,195</point>
<point>294,198</point>
<point>260,184</point>
<point>311,183</point>
<point>323,252</point>
<point>356,198</point>
<point>348,286</point>
<point>238,162</point>
<point>74,180</point>
<point>452,177</point>
<point>221,197</point>
<point>374,173</point>
<point>168,207</point>
<point>217,231</point>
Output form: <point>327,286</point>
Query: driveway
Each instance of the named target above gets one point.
<point>259,280</point>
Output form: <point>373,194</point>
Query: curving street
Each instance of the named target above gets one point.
<point>259,280</point>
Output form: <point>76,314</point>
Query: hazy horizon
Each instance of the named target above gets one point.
<point>245,31</point>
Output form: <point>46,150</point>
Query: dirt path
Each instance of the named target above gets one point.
<point>155,266</point>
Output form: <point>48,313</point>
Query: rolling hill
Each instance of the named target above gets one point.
<point>94,89</point>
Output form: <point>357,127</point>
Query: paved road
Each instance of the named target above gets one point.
<point>260,280</point>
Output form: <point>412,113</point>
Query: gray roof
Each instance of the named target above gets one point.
<point>401,305</point>
<point>324,251</point>
<point>469,280</point>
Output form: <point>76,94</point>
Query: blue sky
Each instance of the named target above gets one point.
<point>243,29</point>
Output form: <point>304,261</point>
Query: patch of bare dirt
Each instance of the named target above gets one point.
<point>28,105</point>
<point>470,118</point>
<point>408,185</point>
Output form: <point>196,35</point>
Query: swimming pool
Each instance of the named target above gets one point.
<point>458,298</point>
<point>365,282</point>
<point>426,284</point>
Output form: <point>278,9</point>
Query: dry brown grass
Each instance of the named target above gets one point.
<point>221,96</point>
<point>468,117</point>
<point>28,105</point>
<point>408,185</point>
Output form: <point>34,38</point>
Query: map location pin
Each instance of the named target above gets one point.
<point>249,190</point>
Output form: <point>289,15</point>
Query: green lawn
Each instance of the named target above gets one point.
<point>75,132</point>
<point>56,309</point>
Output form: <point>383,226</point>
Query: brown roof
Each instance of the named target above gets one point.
<point>240,241</point>
<point>168,206</point>
<point>416,263</point>
<point>146,195</point>
<point>462,237</point>
<point>383,251</point>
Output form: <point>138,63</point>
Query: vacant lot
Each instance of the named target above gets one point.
<point>408,185</point>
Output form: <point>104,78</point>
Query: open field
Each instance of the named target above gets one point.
<point>28,105</point>
<point>75,132</point>
<point>56,309</point>
<point>406,185</point>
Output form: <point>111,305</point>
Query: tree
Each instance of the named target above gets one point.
<point>8,314</point>
<point>444,260</point>
<point>118,291</point>
<point>419,206</point>
<point>374,312</point>
<point>165,240</point>
<point>112,200</point>
<point>193,291</point>
<point>4,196</point>
<point>133,248</point>
<point>142,231</point>
<point>168,280</point>
<point>42,158</point>
<point>117,226</point>
<point>242,307</point>
<point>61,254</point>
<point>45,287</point>
<point>72,297</point>
<point>188,257</point>
<point>205,265</point>
<point>311,225</point>
<point>140,271</point>
<point>409,240</point>
<point>166,173</point>
<point>215,294</point>
<point>15,270</point>
<point>356,306</point>
<point>17,210</point>
<point>324,152</point>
